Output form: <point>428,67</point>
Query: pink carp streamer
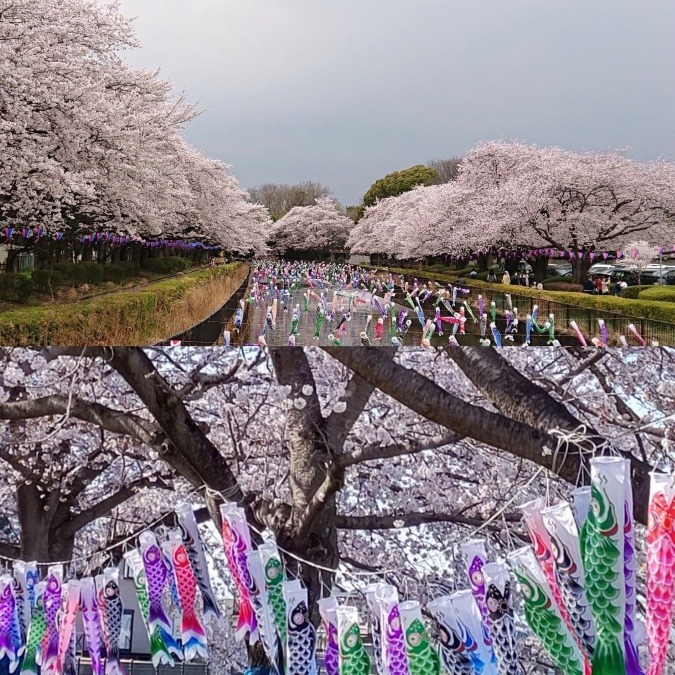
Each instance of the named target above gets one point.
<point>660,569</point>
<point>580,335</point>
<point>69,616</point>
<point>634,330</point>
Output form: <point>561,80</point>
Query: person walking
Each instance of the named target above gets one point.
<point>506,279</point>
<point>605,286</point>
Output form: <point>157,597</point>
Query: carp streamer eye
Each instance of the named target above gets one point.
<point>595,507</point>
<point>273,573</point>
<point>298,618</point>
<point>351,641</point>
<point>415,639</point>
<point>477,578</point>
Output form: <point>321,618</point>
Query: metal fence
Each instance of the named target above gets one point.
<point>586,317</point>
<point>141,667</point>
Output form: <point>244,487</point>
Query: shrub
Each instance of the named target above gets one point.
<point>42,279</point>
<point>76,274</point>
<point>131,269</point>
<point>630,292</point>
<point>113,272</point>
<point>563,286</point>
<point>558,280</point>
<point>15,288</point>
<point>92,272</point>
<point>166,265</point>
<point>71,274</point>
<point>658,294</point>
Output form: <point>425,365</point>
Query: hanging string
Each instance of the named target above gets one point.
<point>431,556</point>
<point>123,542</point>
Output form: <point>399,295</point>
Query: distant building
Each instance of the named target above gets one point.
<point>24,261</point>
<point>355,259</point>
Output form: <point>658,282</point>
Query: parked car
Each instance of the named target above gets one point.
<point>618,274</point>
<point>602,269</point>
<point>665,278</point>
<point>559,270</point>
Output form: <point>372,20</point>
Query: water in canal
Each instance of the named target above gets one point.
<point>346,316</point>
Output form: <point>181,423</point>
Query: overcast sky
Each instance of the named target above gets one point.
<point>345,91</point>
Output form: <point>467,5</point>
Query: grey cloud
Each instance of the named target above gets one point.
<point>345,91</point>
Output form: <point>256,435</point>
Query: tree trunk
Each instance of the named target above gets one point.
<point>539,268</point>
<point>580,268</point>
<point>310,453</point>
<point>40,513</point>
<point>12,257</point>
<point>461,263</point>
<point>483,262</point>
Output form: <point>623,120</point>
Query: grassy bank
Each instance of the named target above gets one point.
<point>145,316</point>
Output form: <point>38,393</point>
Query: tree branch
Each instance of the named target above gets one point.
<point>338,425</point>
<point>524,401</point>
<point>334,478</point>
<point>391,522</point>
<point>116,421</point>
<point>510,434</point>
<point>74,524</point>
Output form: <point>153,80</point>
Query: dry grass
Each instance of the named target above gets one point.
<point>200,302</point>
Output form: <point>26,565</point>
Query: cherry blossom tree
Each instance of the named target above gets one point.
<point>358,460</point>
<point>94,145</point>
<point>518,196</point>
<point>639,254</point>
<point>321,227</point>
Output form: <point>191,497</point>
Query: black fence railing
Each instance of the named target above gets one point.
<point>585,317</point>
<point>651,330</point>
<point>143,667</point>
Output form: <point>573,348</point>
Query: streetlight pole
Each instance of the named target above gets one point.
<point>661,256</point>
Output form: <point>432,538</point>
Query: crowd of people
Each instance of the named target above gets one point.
<point>602,285</point>
<point>521,278</point>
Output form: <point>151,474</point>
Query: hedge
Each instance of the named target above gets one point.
<point>658,293</point>
<point>166,265</point>
<point>563,286</point>
<point>66,275</point>
<point>630,292</point>
<point>15,288</point>
<point>126,317</point>
<point>638,308</point>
